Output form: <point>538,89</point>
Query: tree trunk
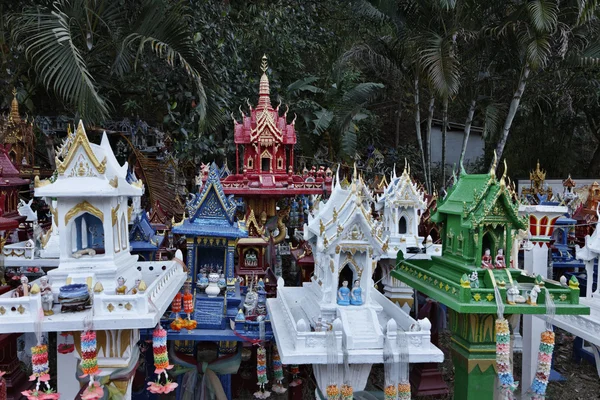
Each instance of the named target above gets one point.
<point>398,117</point>
<point>512,111</point>
<point>50,150</point>
<point>418,129</point>
<point>468,124</point>
<point>444,131</point>
<point>428,143</point>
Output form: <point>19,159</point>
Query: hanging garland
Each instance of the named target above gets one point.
<point>277,372</point>
<point>161,362</point>
<point>347,392</point>
<point>41,373</point>
<point>89,365</point>
<point>505,376</point>
<point>540,382</point>
<point>261,373</point>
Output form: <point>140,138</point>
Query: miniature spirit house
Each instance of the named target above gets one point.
<point>340,299</point>
<point>91,213</point>
<point>211,230</point>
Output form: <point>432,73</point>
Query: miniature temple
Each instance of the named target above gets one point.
<point>143,239</point>
<point>347,242</point>
<point>10,186</point>
<point>538,186</point>
<point>479,217</point>
<point>91,214</point>
<point>211,231</point>
<point>17,136</point>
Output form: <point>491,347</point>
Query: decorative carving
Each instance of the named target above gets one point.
<point>80,140</point>
<point>81,207</point>
<point>114,182</point>
<point>37,183</point>
<point>113,214</point>
<point>110,307</point>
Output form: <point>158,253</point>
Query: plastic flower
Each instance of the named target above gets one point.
<point>155,387</point>
<point>169,387</point>
<point>93,391</point>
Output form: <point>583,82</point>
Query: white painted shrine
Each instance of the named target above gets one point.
<point>347,242</point>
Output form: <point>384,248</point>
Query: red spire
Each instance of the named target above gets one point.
<point>264,101</point>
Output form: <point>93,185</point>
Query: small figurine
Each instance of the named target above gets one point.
<point>343,297</point>
<point>486,260</point>
<point>46,295</point>
<point>23,289</point>
<point>202,280</point>
<point>319,325</point>
<point>474,280</point>
<point>533,295</point>
<point>222,282</point>
<point>121,288</point>
<point>500,263</point>
<point>355,294</point>
<point>261,283</point>
<point>511,295</point>
<point>136,288</point>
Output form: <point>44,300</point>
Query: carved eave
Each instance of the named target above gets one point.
<point>266,131</point>
<point>80,141</point>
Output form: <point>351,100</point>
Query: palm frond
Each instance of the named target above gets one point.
<point>167,34</point>
<point>543,14</point>
<point>441,64</point>
<point>587,11</point>
<point>48,40</point>
<point>323,121</point>
<point>362,93</point>
<point>304,85</point>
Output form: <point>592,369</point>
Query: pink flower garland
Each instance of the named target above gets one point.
<point>41,373</point>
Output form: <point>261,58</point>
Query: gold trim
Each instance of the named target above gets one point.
<point>80,140</point>
<point>138,184</point>
<point>2,310</point>
<point>110,307</point>
<point>113,214</point>
<point>46,237</point>
<point>54,212</point>
<point>483,365</point>
<point>129,212</point>
<point>37,183</point>
<point>114,182</point>
<point>83,206</point>
<point>21,309</point>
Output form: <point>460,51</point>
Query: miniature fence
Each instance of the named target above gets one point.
<point>22,250</point>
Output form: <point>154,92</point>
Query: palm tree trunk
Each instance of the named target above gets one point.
<point>512,111</point>
<point>468,124</point>
<point>418,129</point>
<point>444,131</point>
<point>398,117</point>
<point>428,141</point>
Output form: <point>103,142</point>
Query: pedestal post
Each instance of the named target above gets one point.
<point>474,355</point>
<point>230,267</point>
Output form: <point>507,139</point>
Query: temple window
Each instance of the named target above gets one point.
<point>250,163</point>
<point>347,274</point>
<point>87,233</point>
<point>402,225</point>
<point>280,163</point>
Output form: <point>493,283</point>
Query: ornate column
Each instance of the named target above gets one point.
<point>191,256</point>
<point>474,355</point>
<point>230,267</point>
<point>541,226</point>
<point>396,290</point>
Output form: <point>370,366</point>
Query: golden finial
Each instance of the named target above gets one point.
<point>494,164</point>
<point>14,109</point>
<point>502,182</point>
<point>263,65</point>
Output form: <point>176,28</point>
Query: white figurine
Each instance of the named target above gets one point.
<point>46,295</point>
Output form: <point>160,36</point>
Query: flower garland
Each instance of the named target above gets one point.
<point>261,373</point>
<point>176,304</point>
<point>390,392</point>
<point>89,365</point>
<point>161,362</point>
<point>277,372</point>
<point>505,376</point>
<point>540,381</point>
<point>65,347</point>
<point>41,373</point>
<point>347,392</point>
<point>333,392</point>
<point>404,391</point>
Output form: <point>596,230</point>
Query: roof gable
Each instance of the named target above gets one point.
<point>211,202</point>
<point>79,158</point>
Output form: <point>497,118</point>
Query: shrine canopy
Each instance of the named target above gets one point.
<point>480,213</point>
<point>211,213</point>
<point>96,168</point>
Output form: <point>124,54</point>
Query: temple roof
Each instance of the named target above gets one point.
<point>346,216</point>
<point>402,192</point>
<point>476,197</point>
<point>210,212</point>
<point>142,236</point>
<point>264,125</point>
<point>87,169</point>
<point>9,175</point>
<point>569,182</point>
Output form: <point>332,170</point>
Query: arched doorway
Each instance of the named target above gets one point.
<point>489,242</point>
<point>87,232</point>
<point>402,228</point>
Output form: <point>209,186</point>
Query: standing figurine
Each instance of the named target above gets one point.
<point>356,294</point>
<point>46,296</point>
<point>202,280</point>
<point>486,260</point>
<point>474,280</point>
<point>23,289</point>
<point>343,297</point>
<point>500,263</point>
<point>222,282</point>
<point>533,295</point>
<point>121,288</point>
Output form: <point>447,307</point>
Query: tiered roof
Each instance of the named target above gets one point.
<point>210,212</point>
<point>9,175</point>
<point>402,192</point>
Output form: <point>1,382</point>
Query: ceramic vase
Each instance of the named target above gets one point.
<point>213,288</point>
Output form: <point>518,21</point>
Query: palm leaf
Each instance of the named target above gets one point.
<point>440,64</point>
<point>323,120</point>
<point>587,11</point>
<point>543,14</point>
<point>304,84</point>
<point>362,93</point>
<point>48,39</point>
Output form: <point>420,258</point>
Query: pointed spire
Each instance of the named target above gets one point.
<point>494,164</point>
<point>354,174</point>
<point>264,101</point>
<point>14,108</point>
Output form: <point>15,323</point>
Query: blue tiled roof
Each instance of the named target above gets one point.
<point>142,231</point>
<point>210,228</point>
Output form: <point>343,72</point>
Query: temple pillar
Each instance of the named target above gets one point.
<point>474,355</point>
<point>230,267</point>
<point>191,256</point>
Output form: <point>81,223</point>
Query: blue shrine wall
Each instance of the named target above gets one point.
<point>93,234</point>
